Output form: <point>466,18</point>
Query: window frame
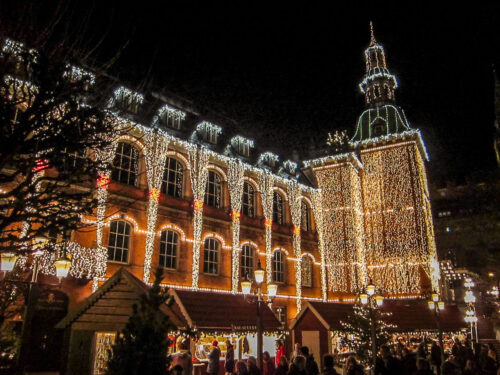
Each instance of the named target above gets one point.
<point>129,235</point>
<point>219,186</point>
<point>178,177</point>
<point>117,171</point>
<point>217,251</point>
<point>164,245</point>
<point>282,271</point>
<point>308,226</point>
<point>311,264</point>
<point>248,257</point>
<point>250,206</point>
<point>275,205</point>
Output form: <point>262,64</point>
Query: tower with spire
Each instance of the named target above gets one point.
<point>382,116</point>
<point>375,199</point>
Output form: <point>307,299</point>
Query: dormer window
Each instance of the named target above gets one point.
<point>268,159</point>
<point>127,100</point>
<point>242,145</point>
<point>76,74</point>
<point>210,131</point>
<point>171,117</point>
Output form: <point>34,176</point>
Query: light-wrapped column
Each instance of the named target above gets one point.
<point>105,156</point>
<point>235,174</point>
<point>198,158</point>
<point>317,208</point>
<point>266,183</point>
<point>295,211</point>
<point>155,151</point>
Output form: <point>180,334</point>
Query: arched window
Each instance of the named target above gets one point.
<point>211,256</point>
<point>169,245</point>
<point>248,202</point>
<point>305,216</point>
<point>172,178</point>
<point>307,269</point>
<point>278,267</point>
<point>247,261</point>
<point>119,241</point>
<point>125,164</point>
<point>213,193</point>
<point>278,209</point>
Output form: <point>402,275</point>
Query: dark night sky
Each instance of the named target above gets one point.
<point>288,70</point>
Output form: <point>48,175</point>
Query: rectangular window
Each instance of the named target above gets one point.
<point>211,256</point>
<point>102,344</point>
<point>168,249</point>
<point>119,241</point>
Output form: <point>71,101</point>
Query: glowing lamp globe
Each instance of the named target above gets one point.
<point>441,305</point>
<point>259,274</point>
<point>62,267</point>
<point>435,297</point>
<point>370,289</point>
<point>8,262</point>
<point>246,286</point>
<point>430,304</point>
<point>272,289</point>
<point>379,299</point>
<point>364,298</point>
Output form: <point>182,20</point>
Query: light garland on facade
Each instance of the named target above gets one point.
<point>198,159</point>
<point>317,200</point>
<point>171,112</point>
<point>156,149</point>
<point>296,214</point>
<point>235,173</point>
<point>266,182</point>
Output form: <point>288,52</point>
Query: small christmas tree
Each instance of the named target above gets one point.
<point>357,331</point>
<point>141,348</point>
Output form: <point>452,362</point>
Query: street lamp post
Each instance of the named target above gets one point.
<point>436,305</point>
<point>372,300</point>
<point>246,288</point>
<point>62,264</point>
<point>470,312</point>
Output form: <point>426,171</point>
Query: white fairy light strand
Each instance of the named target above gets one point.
<point>296,211</point>
<point>156,149</point>
<point>235,179</point>
<point>266,182</point>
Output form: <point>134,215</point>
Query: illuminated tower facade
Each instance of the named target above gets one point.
<point>377,214</point>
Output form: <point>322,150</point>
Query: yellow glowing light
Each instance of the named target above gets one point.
<point>8,262</point>
<point>431,304</point>
<point>62,267</point>
<point>246,286</point>
<point>272,289</point>
<point>441,305</point>
<point>364,298</point>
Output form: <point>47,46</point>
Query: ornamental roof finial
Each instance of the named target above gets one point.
<point>372,35</point>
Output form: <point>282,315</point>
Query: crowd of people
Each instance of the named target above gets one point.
<point>465,359</point>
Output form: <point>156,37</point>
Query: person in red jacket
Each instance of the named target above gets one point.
<point>280,350</point>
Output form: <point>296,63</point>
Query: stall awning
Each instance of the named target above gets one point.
<point>210,311</point>
<point>407,315</point>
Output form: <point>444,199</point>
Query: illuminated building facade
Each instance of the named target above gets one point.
<point>202,204</point>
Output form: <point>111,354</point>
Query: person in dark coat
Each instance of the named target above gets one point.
<point>436,356</point>
<point>328,365</point>
<point>241,368</point>
<point>298,366</point>
<point>183,358</point>
<point>282,368</point>
<point>229,364</point>
<point>352,367</point>
<point>311,365</point>
<point>423,367</point>
<point>252,366</point>
<point>409,361</point>
<point>213,359</point>
<point>268,367</point>
<point>392,365</point>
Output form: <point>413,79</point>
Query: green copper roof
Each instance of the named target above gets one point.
<point>380,121</point>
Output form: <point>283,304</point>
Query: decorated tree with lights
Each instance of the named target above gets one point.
<point>50,118</point>
<point>141,348</point>
<point>357,331</point>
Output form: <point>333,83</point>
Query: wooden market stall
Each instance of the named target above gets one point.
<point>91,329</point>
<point>319,323</point>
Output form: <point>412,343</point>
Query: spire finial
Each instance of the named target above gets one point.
<point>372,35</point>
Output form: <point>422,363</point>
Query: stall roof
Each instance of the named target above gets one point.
<point>111,305</point>
<point>407,315</point>
<point>222,311</point>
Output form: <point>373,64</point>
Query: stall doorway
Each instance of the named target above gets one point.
<point>311,340</point>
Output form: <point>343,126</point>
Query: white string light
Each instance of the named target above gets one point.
<point>266,182</point>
